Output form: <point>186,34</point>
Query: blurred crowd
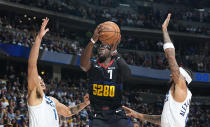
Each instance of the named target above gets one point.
<point>139,52</point>
<point>25,36</point>
<point>149,53</point>
<point>13,104</point>
<point>145,17</point>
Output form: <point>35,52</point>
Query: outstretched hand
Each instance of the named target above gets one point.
<point>129,112</point>
<point>166,22</point>
<point>86,99</point>
<point>43,29</point>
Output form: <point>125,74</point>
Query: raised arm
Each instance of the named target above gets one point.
<point>170,52</point>
<point>155,119</point>
<point>85,63</point>
<point>70,111</point>
<point>33,81</point>
<point>170,55</point>
<point>180,83</point>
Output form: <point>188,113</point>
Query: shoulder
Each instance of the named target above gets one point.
<point>117,57</point>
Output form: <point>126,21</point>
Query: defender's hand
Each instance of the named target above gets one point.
<point>166,22</point>
<point>130,113</point>
<point>43,29</point>
<point>86,99</point>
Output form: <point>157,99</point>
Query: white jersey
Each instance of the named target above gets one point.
<point>43,115</point>
<point>175,114</point>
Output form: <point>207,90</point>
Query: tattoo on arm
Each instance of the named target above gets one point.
<point>75,109</point>
<point>170,55</point>
<point>155,119</point>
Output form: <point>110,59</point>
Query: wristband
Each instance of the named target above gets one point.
<point>92,41</point>
<point>168,45</point>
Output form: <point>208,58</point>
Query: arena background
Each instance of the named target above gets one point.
<point>71,25</point>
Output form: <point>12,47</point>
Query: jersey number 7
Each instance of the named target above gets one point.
<point>110,74</point>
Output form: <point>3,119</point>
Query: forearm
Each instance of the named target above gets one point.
<point>34,53</point>
<point>155,119</point>
<point>166,37</point>
<point>171,57</point>
<point>85,57</point>
<point>76,109</point>
<point>32,65</point>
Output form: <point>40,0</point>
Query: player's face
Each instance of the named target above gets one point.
<point>42,83</point>
<point>104,50</point>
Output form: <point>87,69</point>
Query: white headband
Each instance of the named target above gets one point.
<point>186,75</point>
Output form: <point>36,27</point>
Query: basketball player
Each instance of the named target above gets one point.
<point>106,75</point>
<point>44,110</point>
<point>177,102</point>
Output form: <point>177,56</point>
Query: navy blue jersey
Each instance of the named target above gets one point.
<point>105,83</point>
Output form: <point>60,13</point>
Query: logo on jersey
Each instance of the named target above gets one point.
<point>50,102</point>
<point>111,68</point>
<point>96,66</point>
<point>103,90</point>
<point>184,108</point>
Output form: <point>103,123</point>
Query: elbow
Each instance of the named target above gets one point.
<point>83,68</point>
<point>68,115</point>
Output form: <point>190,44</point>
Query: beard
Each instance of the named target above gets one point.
<point>102,59</point>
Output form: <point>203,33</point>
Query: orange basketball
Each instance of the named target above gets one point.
<point>110,33</point>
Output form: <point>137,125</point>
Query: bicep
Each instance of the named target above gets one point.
<point>174,67</point>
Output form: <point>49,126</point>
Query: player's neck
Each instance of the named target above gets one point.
<point>107,61</point>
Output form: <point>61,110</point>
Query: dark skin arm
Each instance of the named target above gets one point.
<point>180,91</point>
<point>85,63</point>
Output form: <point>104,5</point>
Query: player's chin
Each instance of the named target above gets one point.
<point>102,58</point>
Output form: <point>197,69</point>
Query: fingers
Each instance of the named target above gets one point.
<point>45,22</point>
<point>86,97</point>
<point>165,24</point>
<point>168,18</point>
<point>126,108</point>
